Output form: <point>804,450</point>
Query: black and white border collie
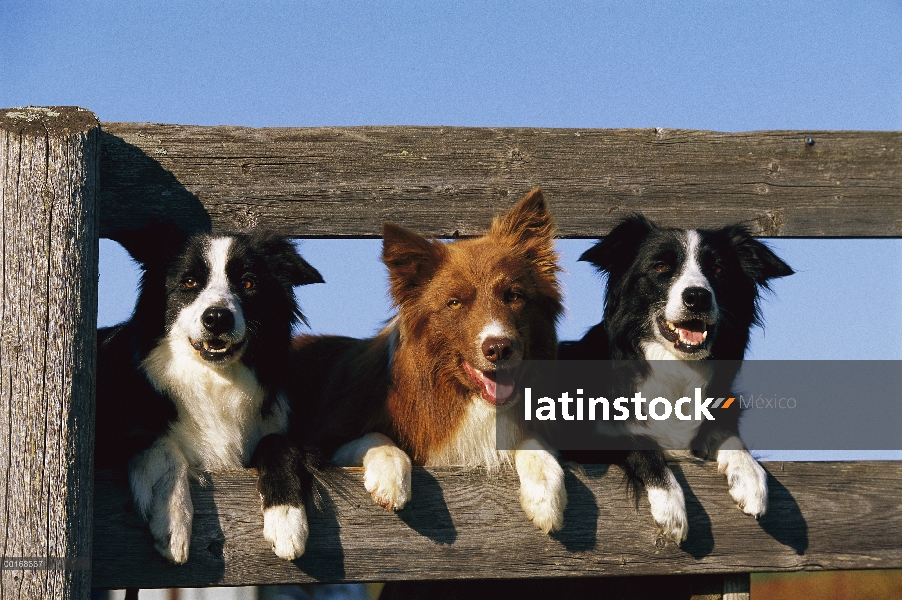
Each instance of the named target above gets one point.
<point>690,296</point>
<point>193,382</point>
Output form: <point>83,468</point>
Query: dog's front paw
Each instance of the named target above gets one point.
<point>542,492</point>
<point>175,547</point>
<point>747,480</point>
<point>386,476</point>
<point>285,527</point>
<point>668,508</point>
<point>170,525</point>
<point>162,496</point>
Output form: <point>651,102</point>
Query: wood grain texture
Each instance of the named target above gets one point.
<point>448,181</point>
<point>48,315</point>
<point>465,525</point>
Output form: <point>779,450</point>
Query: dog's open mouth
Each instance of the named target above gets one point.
<point>497,387</point>
<point>688,336</point>
<point>217,350</point>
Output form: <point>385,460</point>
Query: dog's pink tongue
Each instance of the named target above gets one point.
<point>499,391</point>
<point>495,389</point>
<point>693,337</point>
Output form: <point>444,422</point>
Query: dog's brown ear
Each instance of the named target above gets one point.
<point>411,260</point>
<point>529,218</point>
<point>529,227</point>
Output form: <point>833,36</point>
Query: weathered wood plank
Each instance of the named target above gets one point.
<point>48,329</point>
<point>447,181</point>
<point>463,525</point>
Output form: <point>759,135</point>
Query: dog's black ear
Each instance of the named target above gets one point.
<point>284,257</point>
<point>155,243</point>
<point>411,260</point>
<point>758,261</point>
<point>618,249</point>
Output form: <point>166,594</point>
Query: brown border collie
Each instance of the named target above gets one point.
<point>431,385</point>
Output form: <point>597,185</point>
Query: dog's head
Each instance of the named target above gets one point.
<point>693,293</point>
<point>223,296</point>
<point>477,307</point>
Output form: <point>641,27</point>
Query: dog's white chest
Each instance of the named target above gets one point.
<point>219,421</point>
<point>475,442</point>
<point>672,380</point>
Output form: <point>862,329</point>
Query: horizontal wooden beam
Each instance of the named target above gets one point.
<point>449,181</point>
<point>465,525</point>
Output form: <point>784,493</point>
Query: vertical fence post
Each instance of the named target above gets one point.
<point>737,586</point>
<point>48,316</point>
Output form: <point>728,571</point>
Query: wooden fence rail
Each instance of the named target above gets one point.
<point>448,181</point>
<point>65,180</point>
<point>463,525</point>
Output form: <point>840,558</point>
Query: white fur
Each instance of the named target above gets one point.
<point>542,492</point>
<point>474,444</point>
<point>493,329</point>
<point>659,348</point>
<point>668,508</point>
<point>162,496</point>
<point>216,294</point>
<point>219,421</point>
<point>286,528</point>
<point>747,479</point>
<point>690,275</point>
<point>386,468</point>
<point>672,379</point>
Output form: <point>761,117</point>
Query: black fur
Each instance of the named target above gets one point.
<point>131,414</point>
<point>627,256</point>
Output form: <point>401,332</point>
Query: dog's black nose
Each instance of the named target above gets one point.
<point>697,299</point>
<point>218,320</point>
<point>497,348</point>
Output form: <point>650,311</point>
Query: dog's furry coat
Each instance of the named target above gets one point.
<point>432,383</point>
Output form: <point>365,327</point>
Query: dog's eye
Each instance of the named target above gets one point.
<point>661,266</point>
<point>189,283</point>
<point>717,269</point>
<point>512,296</point>
<point>454,303</point>
<point>248,283</point>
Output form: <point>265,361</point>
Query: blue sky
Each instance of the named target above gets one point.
<point>728,66</point>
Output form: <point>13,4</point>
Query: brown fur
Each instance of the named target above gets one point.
<point>430,391</point>
<point>508,275</point>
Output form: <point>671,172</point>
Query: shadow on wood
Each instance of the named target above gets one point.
<point>450,181</point>
<point>467,525</point>
<point>135,190</point>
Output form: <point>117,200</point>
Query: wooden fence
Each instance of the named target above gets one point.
<point>65,180</point>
